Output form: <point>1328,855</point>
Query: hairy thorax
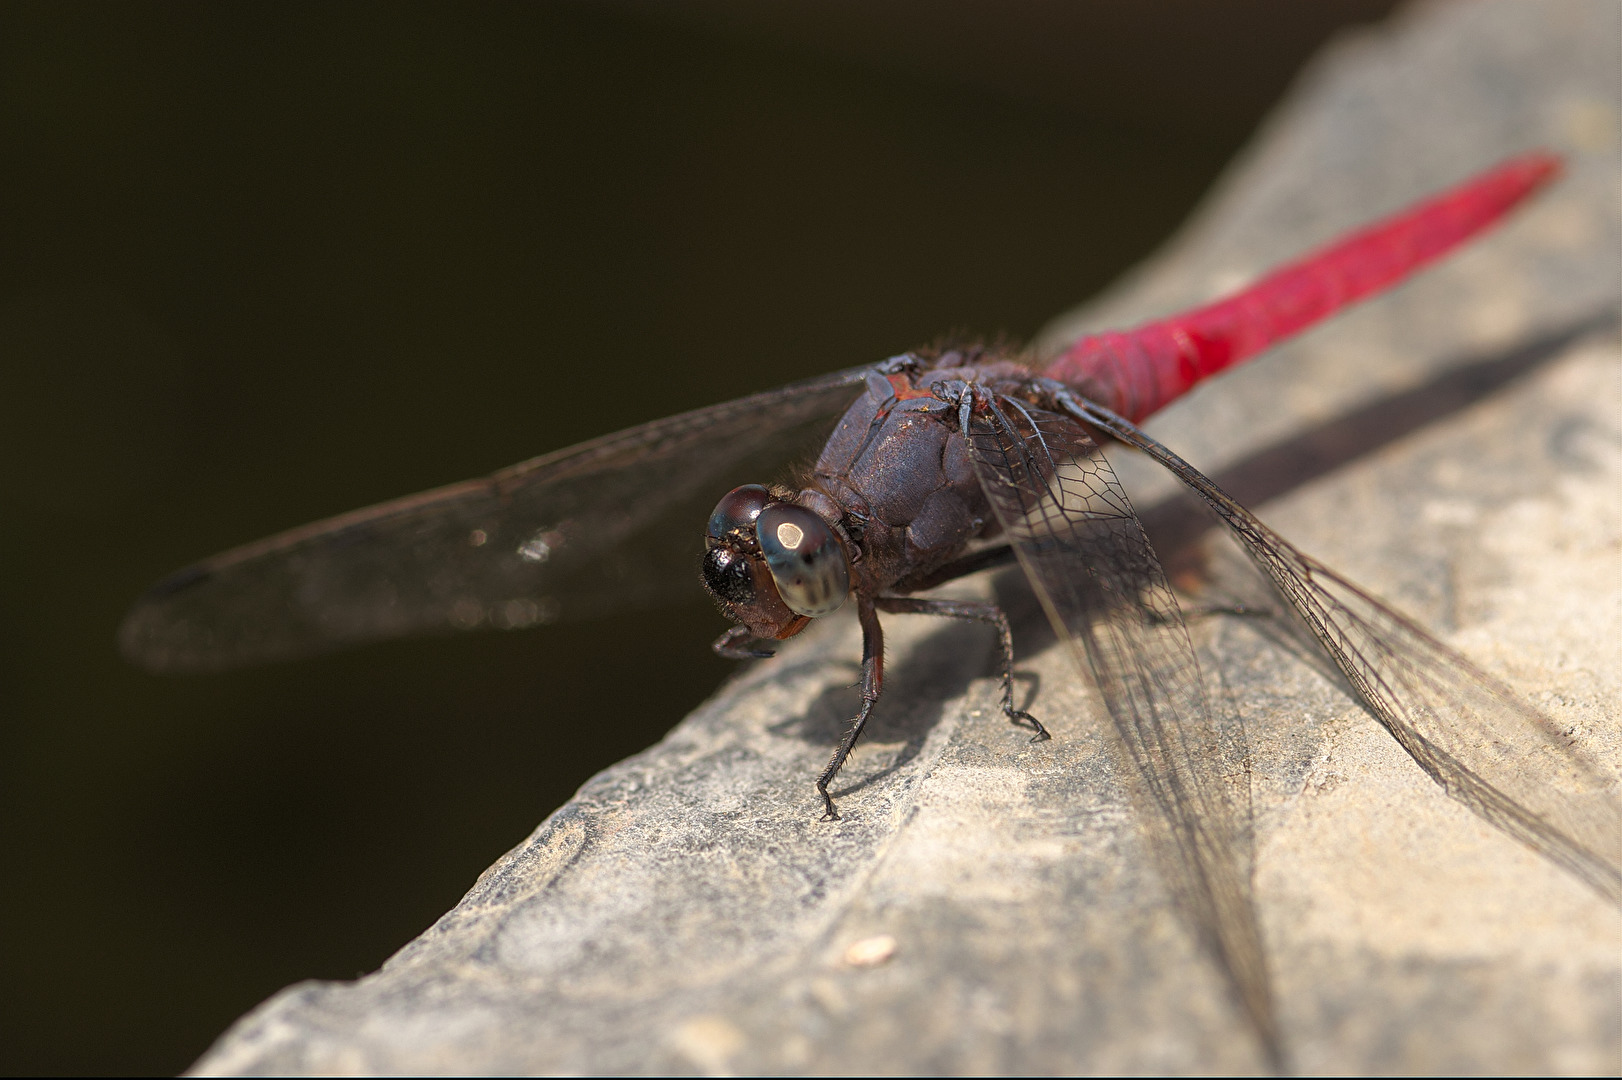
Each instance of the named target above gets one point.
<point>896,473</point>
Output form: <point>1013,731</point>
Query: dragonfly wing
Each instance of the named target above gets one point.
<point>1473,735</point>
<point>609,524</point>
<point>1087,557</point>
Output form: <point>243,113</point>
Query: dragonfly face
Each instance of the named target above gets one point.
<point>772,565</point>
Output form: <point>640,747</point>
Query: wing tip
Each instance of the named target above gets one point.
<point>139,639</point>
<point>151,636</point>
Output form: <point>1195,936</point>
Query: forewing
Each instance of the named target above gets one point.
<point>609,524</point>
<point>1475,737</point>
<point>1087,557</point>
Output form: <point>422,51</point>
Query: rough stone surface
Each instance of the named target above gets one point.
<point>687,913</point>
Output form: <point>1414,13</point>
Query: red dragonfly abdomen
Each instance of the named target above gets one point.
<point>1138,372</point>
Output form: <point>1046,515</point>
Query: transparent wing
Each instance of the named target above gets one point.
<point>1091,565</point>
<point>613,523</point>
<point>1474,736</point>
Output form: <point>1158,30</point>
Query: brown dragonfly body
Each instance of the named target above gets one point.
<point>892,506</point>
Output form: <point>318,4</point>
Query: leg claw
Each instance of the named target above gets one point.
<point>1025,719</point>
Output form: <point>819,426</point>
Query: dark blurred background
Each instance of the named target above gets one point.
<point>264,263</point>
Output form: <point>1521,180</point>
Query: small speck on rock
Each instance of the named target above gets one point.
<point>870,951</point>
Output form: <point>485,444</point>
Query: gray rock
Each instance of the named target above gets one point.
<point>987,904</point>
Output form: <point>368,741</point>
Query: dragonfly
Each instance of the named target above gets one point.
<point>941,463</point>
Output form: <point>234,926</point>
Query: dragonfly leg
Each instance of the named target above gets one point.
<point>734,645</point>
<point>979,612</point>
<point>872,685</point>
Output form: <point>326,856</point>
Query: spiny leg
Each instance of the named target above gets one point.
<point>737,644</point>
<point>979,612</point>
<point>872,685</point>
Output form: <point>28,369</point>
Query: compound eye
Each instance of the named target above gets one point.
<point>738,509</point>
<point>806,559</point>
<point>726,574</point>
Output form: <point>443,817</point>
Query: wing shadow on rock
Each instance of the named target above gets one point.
<point>1178,525</point>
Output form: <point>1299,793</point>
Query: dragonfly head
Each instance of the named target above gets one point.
<point>773,565</point>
